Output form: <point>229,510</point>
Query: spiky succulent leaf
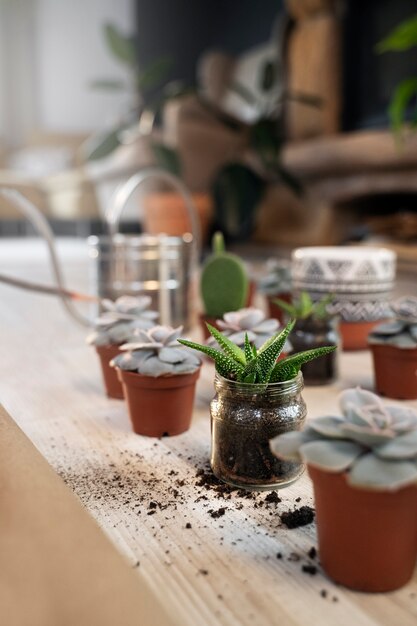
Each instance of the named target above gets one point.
<point>249,355</point>
<point>270,351</point>
<point>374,473</point>
<point>224,364</point>
<point>331,455</point>
<point>290,309</point>
<point>292,364</point>
<point>228,347</point>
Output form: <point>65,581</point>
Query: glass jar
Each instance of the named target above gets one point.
<point>312,333</point>
<point>244,418</point>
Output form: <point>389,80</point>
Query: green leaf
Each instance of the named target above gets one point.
<point>306,304</point>
<point>402,37</point>
<point>403,94</point>
<point>122,46</point>
<point>249,356</point>
<point>286,307</point>
<point>217,243</point>
<point>108,84</point>
<point>155,73</point>
<point>228,347</point>
<point>224,364</point>
<point>167,158</point>
<point>270,351</point>
<point>295,361</point>
<point>103,145</point>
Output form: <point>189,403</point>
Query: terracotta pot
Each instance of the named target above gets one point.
<point>274,310</point>
<point>355,334</point>
<point>395,371</point>
<point>159,407</point>
<point>210,320</point>
<point>367,539</point>
<point>111,382</point>
<point>165,212</point>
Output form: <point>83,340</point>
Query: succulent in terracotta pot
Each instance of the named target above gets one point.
<point>115,326</point>
<point>158,378</point>
<point>257,397</point>
<point>224,283</point>
<point>314,327</point>
<point>363,465</point>
<point>276,282</point>
<point>394,351</point>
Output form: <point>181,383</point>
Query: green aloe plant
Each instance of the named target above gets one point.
<point>304,307</point>
<point>251,365</point>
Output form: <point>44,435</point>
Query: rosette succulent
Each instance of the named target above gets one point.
<point>251,322</point>
<point>374,443</point>
<point>253,365</point>
<point>155,352</point>
<point>402,331</point>
<point>277,279</point>
<point>121,318</point>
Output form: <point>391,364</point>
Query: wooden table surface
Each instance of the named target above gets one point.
<point>208,556</point>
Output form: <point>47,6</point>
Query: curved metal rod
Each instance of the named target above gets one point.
<point>33,214</point>
<point>125,190</point>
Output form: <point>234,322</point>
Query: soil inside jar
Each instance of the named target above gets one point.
<point>243,456</point>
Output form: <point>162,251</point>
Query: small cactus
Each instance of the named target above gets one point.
<point>402,331</point>
<point>120,319</point>
<point>155,353</point>
<point>250,365</point>
<point>375,444</point>
<point>224,283</point>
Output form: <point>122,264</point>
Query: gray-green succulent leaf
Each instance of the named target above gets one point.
<point>155,352</point>
<point>374,443</point>
<point>121,319</point>
<point>401,332</point>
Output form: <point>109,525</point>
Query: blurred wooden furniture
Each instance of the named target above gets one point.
<point>204,556</point>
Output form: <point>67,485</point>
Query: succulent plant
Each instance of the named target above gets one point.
<point>277,279</point>
<point>121,318</point>
<point>303,307</point>
<point>251,322</point>
<point>224,282</point>
<point>155,352</point>
<point>251,365</point>
<point>402,331</point>
<point>375,444</point>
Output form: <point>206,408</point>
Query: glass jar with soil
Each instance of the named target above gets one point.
<point>312,333</point>
<point>244,417</point>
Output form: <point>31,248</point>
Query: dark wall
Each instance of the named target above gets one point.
<point>370,78</point>
<point>183,29</point>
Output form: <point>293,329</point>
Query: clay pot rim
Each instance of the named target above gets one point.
<point>400,352</point>
<point>169,381</point>
<point>342,476</point>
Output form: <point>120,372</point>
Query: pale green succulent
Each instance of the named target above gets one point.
<point>401,332</point>
<point>253,366</point>
<point>155,353</point>
<point>120,319</point>
<point>374,443</point>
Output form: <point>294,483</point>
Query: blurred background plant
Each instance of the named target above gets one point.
<point>403,104</point>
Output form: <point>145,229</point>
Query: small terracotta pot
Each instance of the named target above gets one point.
<point>367,539</point>
<point>274,310</point>
<point>111,382</point>
<point>395,371</point>
<point>355,334</point>
<point>210,320</point>
<point>159,407</point>
<point>165,212</point>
